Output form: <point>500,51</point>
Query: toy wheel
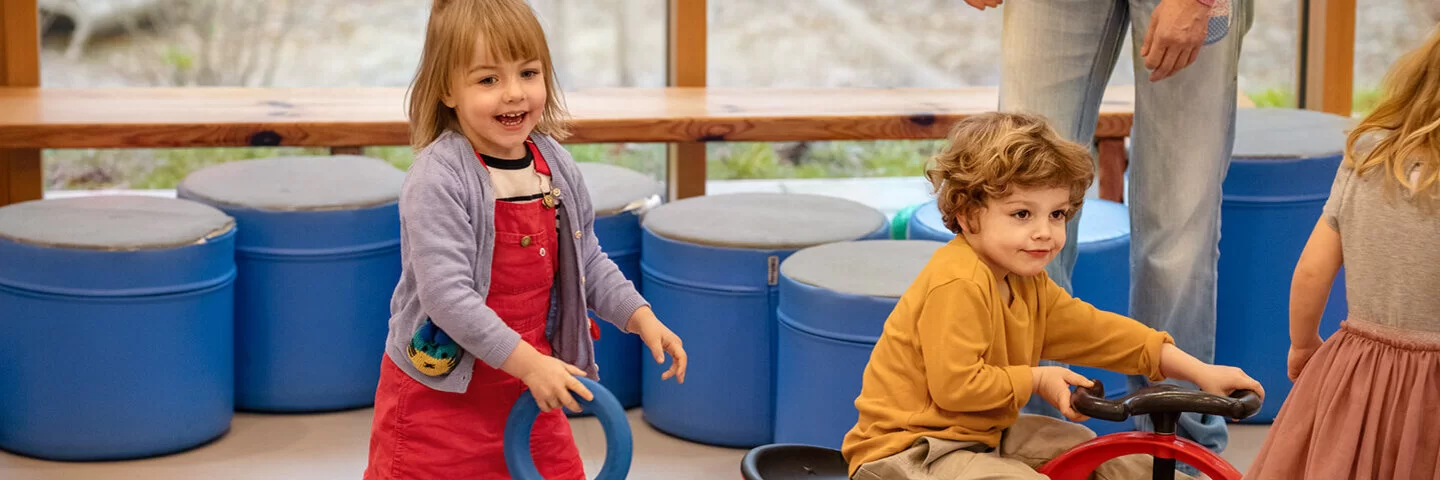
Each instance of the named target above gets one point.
<point>618,440</point>
<point>1079,462</point>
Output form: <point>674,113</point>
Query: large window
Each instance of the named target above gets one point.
<point>309,43</point>
<point>922,43</point>
<point>843,43</point>
<point>1269,54</point>
<point>613,43</point>
<point>1385,30</point>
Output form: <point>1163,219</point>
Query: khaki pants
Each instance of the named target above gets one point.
<point>1025,446</point>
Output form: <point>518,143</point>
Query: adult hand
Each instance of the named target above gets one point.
<point>1173,39</point>
<point>983,4</point>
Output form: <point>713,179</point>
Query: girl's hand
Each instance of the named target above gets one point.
<point>660,340</point>
<point>1300,353</point>
<point>550,379</point>
<point>1222,380</point>
<point>1053,384</point>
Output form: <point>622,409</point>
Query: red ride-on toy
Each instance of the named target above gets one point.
<point>1164,403</point>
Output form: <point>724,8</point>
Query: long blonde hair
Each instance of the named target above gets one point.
<point>1404,129</point>
<point>509,29</point>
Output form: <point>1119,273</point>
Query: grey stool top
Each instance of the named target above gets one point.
<point>613,188</point>
<point>1288,133</point>
<point>121,222</point>
<point>338,182</point>
<point>763,220</point>
<point>875,268</point>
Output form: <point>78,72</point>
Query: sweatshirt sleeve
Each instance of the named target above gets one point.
<point>1080,334</point>
<point>955,331</point>
<point>442,249</point>
<point>607,292</point>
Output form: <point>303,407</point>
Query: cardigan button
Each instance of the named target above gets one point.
<point>525,241</point>
<point>577,234</point>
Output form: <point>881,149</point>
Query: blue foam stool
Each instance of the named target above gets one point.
<point>1102,260</point>
<point>319,257</point>
<point>834,300</point>
<point>118,321</point>
<point>618,194</point>
<point>712,267</point>
<point>1280,176</point>
<point>925,224</point>
<point>1101,275</point>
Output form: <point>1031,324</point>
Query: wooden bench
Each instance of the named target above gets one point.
<point>346,119</point>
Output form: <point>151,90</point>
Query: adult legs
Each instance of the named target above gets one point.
<point>1180,150</point>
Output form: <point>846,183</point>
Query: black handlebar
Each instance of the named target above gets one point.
<point>1164,399</point>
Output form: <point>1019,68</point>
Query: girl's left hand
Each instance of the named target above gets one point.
<point>1300,354</point>
<point>1223,380</point>
<point>660,340</point>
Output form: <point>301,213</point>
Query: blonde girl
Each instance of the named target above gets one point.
<point>500,261</point>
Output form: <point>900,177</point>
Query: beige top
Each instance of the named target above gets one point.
<point>1392,265</point>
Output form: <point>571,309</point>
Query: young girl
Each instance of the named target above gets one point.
<point>500,260</point>
<point>959,355</point>
<point>1366,402</point>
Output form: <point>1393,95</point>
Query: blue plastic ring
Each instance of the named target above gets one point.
<point>618,442</point>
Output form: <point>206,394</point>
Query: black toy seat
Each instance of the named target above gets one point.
<point>793,462</point>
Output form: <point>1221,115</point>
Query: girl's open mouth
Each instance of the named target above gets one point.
<point>511,119</point>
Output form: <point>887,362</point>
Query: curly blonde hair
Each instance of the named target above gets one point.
<point>990,155</point>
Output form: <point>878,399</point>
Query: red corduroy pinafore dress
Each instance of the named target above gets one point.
<point>421,433</point>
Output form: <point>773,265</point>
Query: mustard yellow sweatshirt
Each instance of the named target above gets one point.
<point>954,362</point>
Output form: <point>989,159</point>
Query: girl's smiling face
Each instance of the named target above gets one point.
<point>498,103</point>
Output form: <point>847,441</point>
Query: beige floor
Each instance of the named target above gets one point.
<point>333,446</point>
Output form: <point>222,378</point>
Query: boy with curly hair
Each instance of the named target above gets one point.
<point>960,353</point>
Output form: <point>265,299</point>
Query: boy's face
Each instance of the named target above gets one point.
<point>1020,233</point>
<point>498,103</point>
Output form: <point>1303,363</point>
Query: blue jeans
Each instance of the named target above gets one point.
<point>1058,56</point>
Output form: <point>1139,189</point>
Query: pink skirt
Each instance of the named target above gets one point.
<point>1367,406</point>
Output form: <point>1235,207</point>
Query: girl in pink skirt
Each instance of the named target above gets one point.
<point>1366,402</point>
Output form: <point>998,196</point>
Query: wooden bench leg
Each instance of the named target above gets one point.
<point>1112,168</point>
<point>685,171</point>
<point>21,178</point>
